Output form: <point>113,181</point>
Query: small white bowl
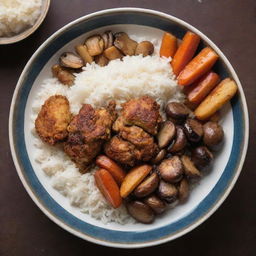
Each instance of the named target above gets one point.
<point>31,30</point>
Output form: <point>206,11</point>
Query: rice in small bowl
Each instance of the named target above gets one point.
<point>20,18</point>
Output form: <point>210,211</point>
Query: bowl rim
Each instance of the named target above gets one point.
<point>20,36</point>
<point>163,239</point>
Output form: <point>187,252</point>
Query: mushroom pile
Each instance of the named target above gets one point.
<point>99,49</point>
<point>185,145</point>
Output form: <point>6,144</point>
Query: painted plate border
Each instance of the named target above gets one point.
<point>113,238</point>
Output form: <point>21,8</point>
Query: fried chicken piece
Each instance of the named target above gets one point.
<point>53,119</point>
<point>93,124</point>
<point>139,118</point>
<point>87,132</point>
<point>142,141</point>
<point>121,151</point>
<point>81,153</point>
<point>131,145</point>
<point>143,112</point>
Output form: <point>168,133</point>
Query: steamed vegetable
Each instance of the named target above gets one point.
<point>201,156</point>
<point>198,66</point>
<point>185,52</point>
<point>203,87</point>
<point>108,187</point>
<point>112,53</point>
<point>63,75</point>
<point>213,134</point>
<point>141,212</point>
<point>166,134</point>
<point>189,168</point>
<point>167,192</point>
<point>101,60</point>
<point>148,186</point>
<point>155,203</point>
<point>177,110</point>
<point>70,60</point>
<point>145,48</point>
<point>183,190</point>
<point>171,169</point>
<point>221,94</point>
<point>84,54</point>
<point>115,170</point>
<point>125,44</point>
<point>95,45</point>
<point>168,46</point>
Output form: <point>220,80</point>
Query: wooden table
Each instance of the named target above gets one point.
<point>25,230</point>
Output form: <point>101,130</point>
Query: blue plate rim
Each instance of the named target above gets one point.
<point>163,239</point>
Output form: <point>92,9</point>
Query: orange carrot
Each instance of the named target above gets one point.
<point>115,170</point>
<point>203,87</point>
<point>185,52</point>
<point>168,46</point>
<point>108,187</point>
<point>198,66</point>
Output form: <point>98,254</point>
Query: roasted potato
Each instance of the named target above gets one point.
<point>221,94</point>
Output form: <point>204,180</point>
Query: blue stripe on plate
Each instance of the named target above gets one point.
<point>49,203</point>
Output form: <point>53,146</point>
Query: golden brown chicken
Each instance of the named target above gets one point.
<point>138,119</point>
<point>132,145</point>
<point>121,151</point>
<point>53,119</point>
<point>87,132</point>
<point>143,142</point>
<point>142,112</point>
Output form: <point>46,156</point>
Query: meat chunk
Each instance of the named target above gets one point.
<point>143,142</point>
<point>87,132</point>
<point>131,145</point>
<point>53,119</point>
<point>121,151</point>
<point>80,152</point>
<point>92,124</point>
<point>142,112</point>
<point>138,121</point>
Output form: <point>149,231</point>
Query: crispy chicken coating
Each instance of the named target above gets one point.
<point>93,124</point>
<point>131,145</point>
<point>87,132</point>
<point>142,141</point>
<point>53,119</point>
<point>142,112</point>
<point>80,152</point>
<point>121,151</point>
<point>138,121</point>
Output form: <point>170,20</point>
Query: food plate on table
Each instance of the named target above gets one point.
<point>83,197</point>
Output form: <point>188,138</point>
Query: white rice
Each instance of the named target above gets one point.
<point>18,15</point>
<point>134,76</point>
<point>120,80</point>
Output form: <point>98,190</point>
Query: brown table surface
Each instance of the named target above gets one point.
<point>25,230</point>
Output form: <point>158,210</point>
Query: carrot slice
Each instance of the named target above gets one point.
<point>198,66</point>
<point>108,187</point>
<point>168,46</point>
<point>185,52</point>
<point>203,87</point>
<point>115,170</point>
